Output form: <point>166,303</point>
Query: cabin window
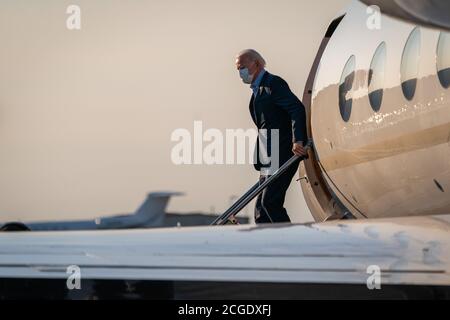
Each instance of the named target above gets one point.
<point>443,59</point>
<point>410,64</point>
<point>376,77</point>
<point>346,89</point>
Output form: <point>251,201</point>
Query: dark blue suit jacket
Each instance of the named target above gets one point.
<point>277,107</point>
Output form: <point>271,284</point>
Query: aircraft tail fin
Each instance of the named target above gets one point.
<point>154,208</point>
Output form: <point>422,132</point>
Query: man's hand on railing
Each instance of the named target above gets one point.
<point>299,150</point>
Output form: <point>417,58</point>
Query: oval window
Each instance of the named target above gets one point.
<point>376,77</point>
<point>443,59</point>
<point>410,64</point>
<point>345,89</point>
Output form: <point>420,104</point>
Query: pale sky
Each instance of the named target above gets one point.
<point>86,115</point>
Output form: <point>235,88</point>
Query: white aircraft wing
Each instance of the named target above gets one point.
<point>414,251</point>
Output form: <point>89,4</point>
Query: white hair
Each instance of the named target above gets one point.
<point>253,55</point>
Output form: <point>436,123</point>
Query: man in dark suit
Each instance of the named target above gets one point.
<point>273,107</point>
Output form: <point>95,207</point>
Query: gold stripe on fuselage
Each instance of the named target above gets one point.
<point>418,140</point>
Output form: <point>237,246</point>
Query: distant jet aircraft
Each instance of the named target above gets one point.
<point>150,214</point>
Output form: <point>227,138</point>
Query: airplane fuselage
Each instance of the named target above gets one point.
<point>380,117</point>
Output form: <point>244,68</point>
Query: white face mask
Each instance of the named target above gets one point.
<point>245,76</point>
